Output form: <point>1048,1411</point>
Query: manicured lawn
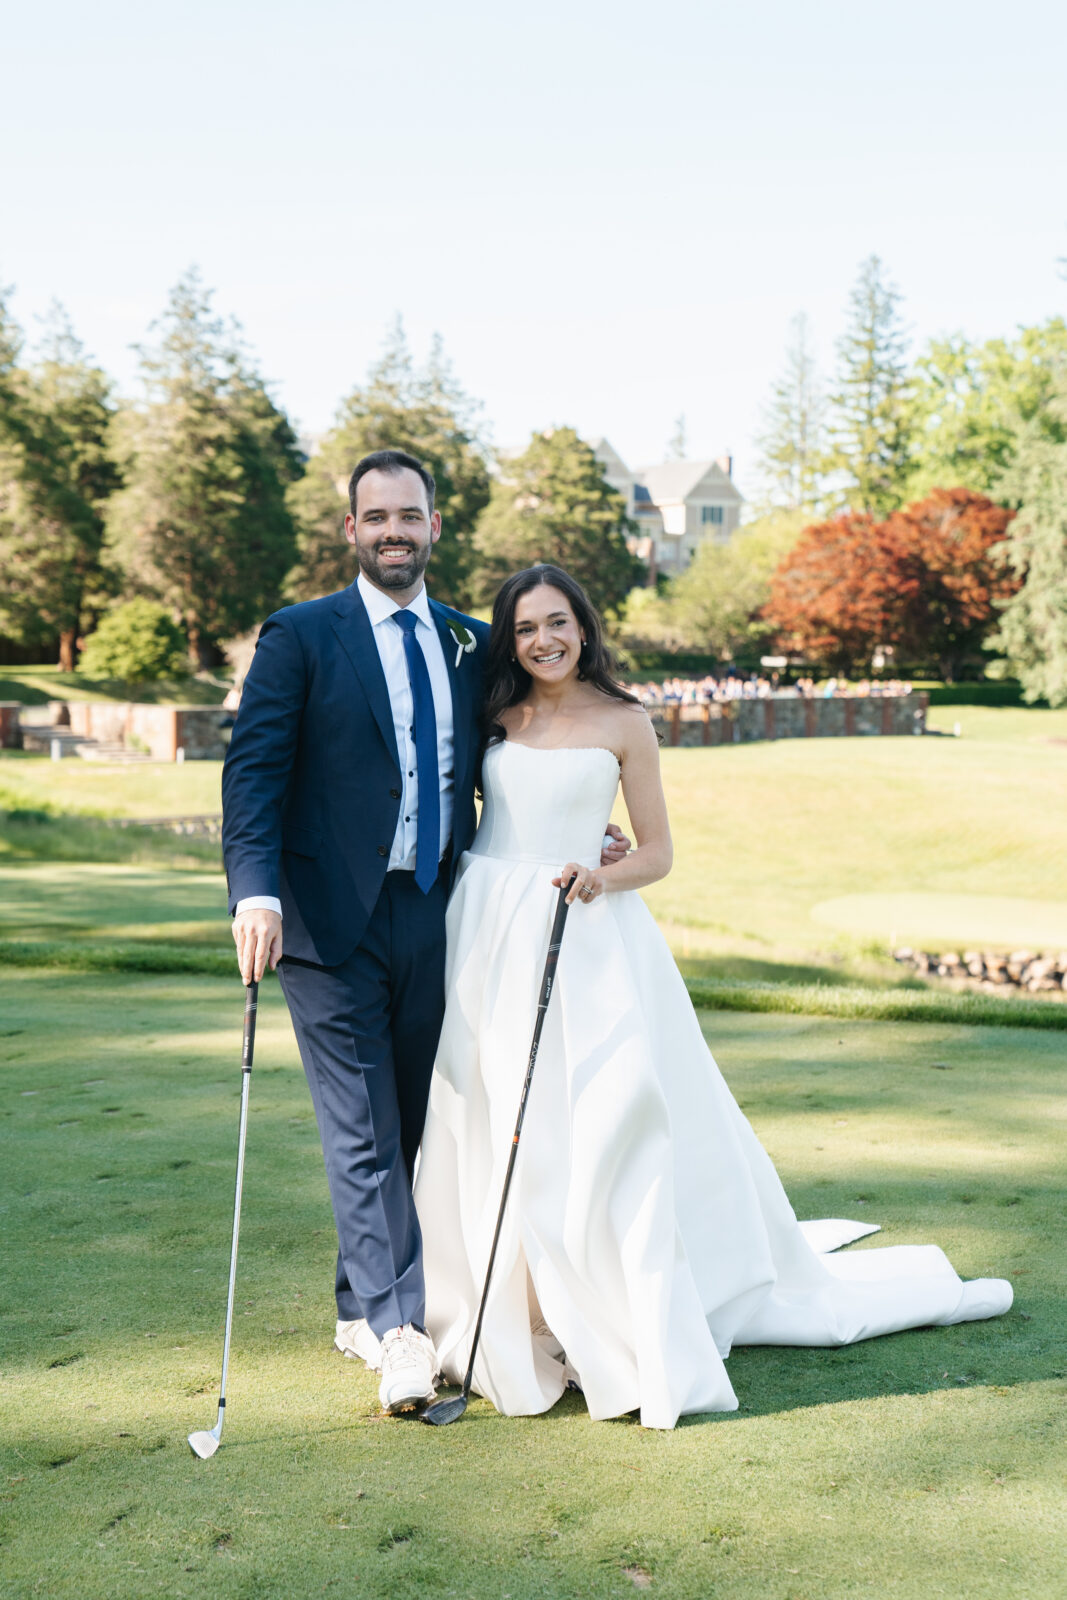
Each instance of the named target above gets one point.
<point>90,901</point>
<point>154,789</point>
<point>929,1463</point>
<point>767,833</point>
<point>797,861</point>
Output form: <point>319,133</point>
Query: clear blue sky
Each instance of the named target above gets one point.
<point>610,211</point>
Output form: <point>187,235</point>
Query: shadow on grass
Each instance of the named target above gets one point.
<point>29,834</point>
<point>36,686</point>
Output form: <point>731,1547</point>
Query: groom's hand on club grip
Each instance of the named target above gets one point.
<point>258,936</point>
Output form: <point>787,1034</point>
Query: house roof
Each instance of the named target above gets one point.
<point>677,480</point>
<point>611,459</point>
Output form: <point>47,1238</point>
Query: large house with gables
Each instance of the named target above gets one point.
<point>677,506</point>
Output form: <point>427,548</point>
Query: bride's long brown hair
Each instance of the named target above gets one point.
<point>506,682</point>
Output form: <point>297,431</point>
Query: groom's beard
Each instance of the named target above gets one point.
<point>393,574</point>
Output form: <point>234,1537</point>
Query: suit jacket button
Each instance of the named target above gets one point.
<point>382,851</point>
<point>394,794</point>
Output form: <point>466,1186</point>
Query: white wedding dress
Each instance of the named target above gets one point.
<point>646,1231</point>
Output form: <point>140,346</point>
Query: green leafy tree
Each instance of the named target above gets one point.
<point>552,503</point>
<point>973,403</point>
<point>400,407</point>
<point>870,415</point>
<point>56,474</point>
<point>136,643</point>
<point>202,523</point>
<point>792,446</point>
<point>1033,625</point>
<point>715,605</point>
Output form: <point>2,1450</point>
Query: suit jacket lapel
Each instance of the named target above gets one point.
<point>353,627</point>
<point>461,714</point>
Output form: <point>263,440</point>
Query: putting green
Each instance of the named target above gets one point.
<point>1001,921</point>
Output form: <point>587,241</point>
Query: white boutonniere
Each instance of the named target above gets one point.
<point>466,643</point>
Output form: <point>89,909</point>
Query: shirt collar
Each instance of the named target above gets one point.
<point>380,606</point>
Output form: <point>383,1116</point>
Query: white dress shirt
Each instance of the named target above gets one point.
<point>390,642</point>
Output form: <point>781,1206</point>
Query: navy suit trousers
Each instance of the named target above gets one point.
<point>368,1032</point>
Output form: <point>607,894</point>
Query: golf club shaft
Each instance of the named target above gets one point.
<point>248,1043</point>
<point>547,981</point>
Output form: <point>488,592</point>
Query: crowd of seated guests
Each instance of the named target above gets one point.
<point>738,686</point>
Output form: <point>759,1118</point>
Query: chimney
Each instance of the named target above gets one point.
<point>726,463</point>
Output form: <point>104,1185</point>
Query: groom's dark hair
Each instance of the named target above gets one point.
<point>390,461</point>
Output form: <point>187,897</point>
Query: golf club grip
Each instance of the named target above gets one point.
<point>248,1043</point>
<point>554,942</point>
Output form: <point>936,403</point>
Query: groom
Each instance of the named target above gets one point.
<point>348,798</point>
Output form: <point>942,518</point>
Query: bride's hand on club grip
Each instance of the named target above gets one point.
<point>586,886</point>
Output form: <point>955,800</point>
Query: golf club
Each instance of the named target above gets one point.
<point>205,1443</point>
<point>442,1412</point>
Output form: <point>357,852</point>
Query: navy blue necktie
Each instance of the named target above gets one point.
<point>428,836</point>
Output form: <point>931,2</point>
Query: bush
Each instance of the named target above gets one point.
<point>138,643</point>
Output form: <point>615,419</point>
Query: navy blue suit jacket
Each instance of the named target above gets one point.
<point>311,784</point>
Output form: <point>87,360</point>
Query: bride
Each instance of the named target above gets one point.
<point>646,1231</point>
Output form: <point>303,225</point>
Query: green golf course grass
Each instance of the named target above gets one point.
<point>927,1463</point>
<point>922,832</point>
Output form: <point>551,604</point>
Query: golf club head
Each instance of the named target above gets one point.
<point>442,1412</point>
<point>205,1443</point>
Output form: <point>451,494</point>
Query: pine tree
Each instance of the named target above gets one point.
<point>400,407</point>
<point>870,421</point>
<point>553,504</point>
<point>792,446</point>
<point>57,473</point>
<point>202,523</point>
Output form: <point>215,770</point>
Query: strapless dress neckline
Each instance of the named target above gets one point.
<point>558,749</point>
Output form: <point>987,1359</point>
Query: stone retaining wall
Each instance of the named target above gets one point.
<point>990,971</point>
<point>787,716</point>
<point>203,732</point>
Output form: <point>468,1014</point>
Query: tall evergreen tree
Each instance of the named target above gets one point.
<point>791,446</point>
<point>678,442</point>
<point>57,473</point>
<point>552,503</point>
<point>400,407</point>
<point>1033,626</point>
<point>870,418</point>
<point>202,523</point>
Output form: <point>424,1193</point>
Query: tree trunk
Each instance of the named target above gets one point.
<point>68,650</point>
<point>200,648</point>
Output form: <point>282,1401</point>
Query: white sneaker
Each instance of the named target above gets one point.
<point>358,1341</point>
<point>409,1366</point>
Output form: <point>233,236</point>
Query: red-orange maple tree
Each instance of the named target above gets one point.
<point>926,581</point>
